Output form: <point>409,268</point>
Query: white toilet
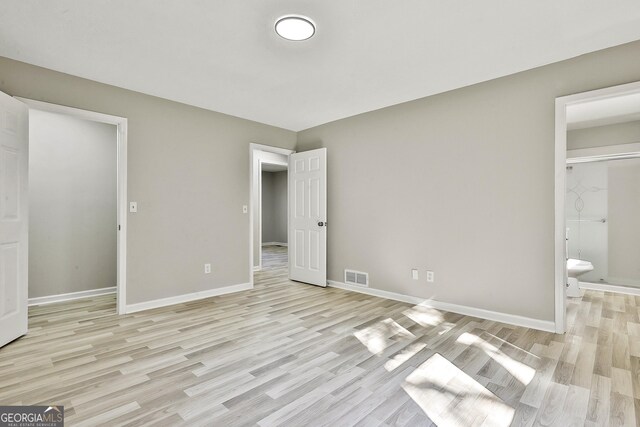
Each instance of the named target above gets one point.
<point>575,269</point>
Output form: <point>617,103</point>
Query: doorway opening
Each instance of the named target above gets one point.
<point>597,194</point>
<point>274,217</point>
<point>306,213</point>
<point>603,220</point>
<point>77,206</point>
<point>269,207</point>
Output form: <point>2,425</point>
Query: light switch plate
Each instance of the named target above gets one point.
<point>414,274</point>
<point>133,206</point>
<point>245,209</point>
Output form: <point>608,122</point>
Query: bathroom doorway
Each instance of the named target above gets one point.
<point>597,194</point>
<point>603,221</point>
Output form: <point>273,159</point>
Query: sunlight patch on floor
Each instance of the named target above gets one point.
<point>450,397</point>
<point>424,316</point>
<point>519,370</point>
<point>508,344</point>
<point>377,337</point>
<point>403,356</point>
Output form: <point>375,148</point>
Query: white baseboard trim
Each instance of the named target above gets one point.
<point>178,299</point>
<point>512,319</point>
<point>275,244</point>
<point>627,290</point>
<point>621,281</point>
<point>71,296</point>
<point>257,268</point>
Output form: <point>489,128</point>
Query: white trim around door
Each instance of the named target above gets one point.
<point>585,155</point>
<point>560,273</point>
<point>259,154</point>
<point>121,124</point>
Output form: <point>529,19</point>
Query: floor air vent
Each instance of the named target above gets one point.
<point>358,278</point>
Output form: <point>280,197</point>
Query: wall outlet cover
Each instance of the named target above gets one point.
<point>430,276</point>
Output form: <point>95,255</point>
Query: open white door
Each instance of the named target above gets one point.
<point>14,159</point>
<point>308,217</point>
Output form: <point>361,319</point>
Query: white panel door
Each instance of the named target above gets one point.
<point>14,156</point>
<point>308,217</point>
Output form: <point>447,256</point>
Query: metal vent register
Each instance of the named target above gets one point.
<point>357,278</point>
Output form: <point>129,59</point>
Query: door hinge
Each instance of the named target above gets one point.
<point>118,227</point>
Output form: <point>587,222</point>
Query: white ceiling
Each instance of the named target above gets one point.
<point>607,111</point>
<point>366,54</point>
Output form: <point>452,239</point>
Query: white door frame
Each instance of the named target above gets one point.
<point>121,124</point>
<point>560,273</point>
<point>607,152</point>
<point>255,193</point>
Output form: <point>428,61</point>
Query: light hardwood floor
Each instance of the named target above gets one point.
<point>287,353</point>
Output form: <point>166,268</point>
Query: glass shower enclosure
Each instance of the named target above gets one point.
<point>603,219</point>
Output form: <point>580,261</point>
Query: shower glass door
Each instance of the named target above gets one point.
<point>587,216</point>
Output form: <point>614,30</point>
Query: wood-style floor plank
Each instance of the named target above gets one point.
<point>290,354</point>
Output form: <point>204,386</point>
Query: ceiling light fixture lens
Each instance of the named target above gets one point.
<point>295,27</point>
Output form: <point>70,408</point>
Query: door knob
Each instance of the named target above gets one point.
<point>321,224</point>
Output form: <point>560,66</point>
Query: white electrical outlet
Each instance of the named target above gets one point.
<point>207,268</point>
<point>430,276</point>
<point>245,209</point>
<point>414,274</point>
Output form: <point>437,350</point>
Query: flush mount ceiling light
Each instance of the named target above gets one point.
<point>295,27</point>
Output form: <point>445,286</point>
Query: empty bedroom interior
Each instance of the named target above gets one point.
<point>443,193</point>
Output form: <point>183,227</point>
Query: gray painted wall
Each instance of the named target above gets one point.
<point>281,184</point>
<point>72,204</point>
<point>624,221</point>
<point>600,136</point>
<point>189,172</point>
<point>461,183</point>
<point>268,208</point>
<point>274,207</point>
